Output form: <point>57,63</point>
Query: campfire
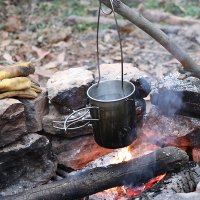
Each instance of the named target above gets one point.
<point>126,154</point>
<point>117,149</point>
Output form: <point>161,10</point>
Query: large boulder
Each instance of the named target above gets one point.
<point>25,164</point>
<point>67,89</point>
<point>12,121</point>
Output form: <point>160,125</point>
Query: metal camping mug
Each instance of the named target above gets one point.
<point>113,115</point>
<point>116,126</point>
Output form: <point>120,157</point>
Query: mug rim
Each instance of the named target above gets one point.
<point>115,100</point>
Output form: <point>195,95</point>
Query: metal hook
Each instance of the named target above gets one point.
<point>105,13</point>
<point>121,51</point>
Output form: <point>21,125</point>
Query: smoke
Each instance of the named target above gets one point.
<point>169,102</point>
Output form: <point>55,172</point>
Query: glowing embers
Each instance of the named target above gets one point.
<point>130,192</point>
<point>136,150</point>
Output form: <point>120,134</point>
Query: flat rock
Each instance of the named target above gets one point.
<point>130,73</point>
<point>68,88</point>
<point>25,164</point>
<point>34,111</point>
<point>54,115</point>
<point>77,152</point>
<point>173,96</point>
<point>171,130</point>
<point>12,121</point>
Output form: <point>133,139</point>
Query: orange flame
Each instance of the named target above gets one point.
<point>130,192</point>
<point>122,155</point>
<point>126,154</point>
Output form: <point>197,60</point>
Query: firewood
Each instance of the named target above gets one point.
<point>87,182</point>
<point>183,181</point>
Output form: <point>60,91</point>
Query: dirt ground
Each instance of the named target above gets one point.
<point>42,32</point>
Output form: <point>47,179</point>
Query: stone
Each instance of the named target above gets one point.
<point>190,196</point>
<point>132,74</point>
<point>68,88</point>
<point>25,164</point>
<point>53,117</point>
<point>198,187</point>
<point>34,111</point>
<point>175,96</point>
<point>140,106</point>
<point>171,130</point>
<point>77,152</point>
<point>196,154</point>
<point>12,121</point>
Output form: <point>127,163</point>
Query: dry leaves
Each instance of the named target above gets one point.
<point>55,35</point>
<point>13,24</point>
<point>40,52</point>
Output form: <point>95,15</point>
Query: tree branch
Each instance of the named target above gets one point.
<point>137,19</point>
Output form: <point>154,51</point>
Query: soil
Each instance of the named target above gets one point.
<point>39,32</point>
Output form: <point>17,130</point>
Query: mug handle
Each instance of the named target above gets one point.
<point>67,123</point>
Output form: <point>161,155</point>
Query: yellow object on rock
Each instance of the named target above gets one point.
<point>13,84</point>
<point>17,70</point>
<point>28,93</point>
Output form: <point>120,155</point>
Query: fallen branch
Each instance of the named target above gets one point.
<point>137,19</point>
<point>87,182</point>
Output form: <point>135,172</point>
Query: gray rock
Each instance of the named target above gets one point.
<point>12,121</point>
<point>132,74</point>
<point>171,130</point>
<point>54,115</point>
<point>34,111</point>
<point>68,88</point>
<point>77,152</point>
<point>174,96</point>
<point>190,196</point>
<point>26,164</point>
<point>198,187</point>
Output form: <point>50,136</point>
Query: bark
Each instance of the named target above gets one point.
<point>144,24</point>
<point>184,181</point>
<point>87,182</point>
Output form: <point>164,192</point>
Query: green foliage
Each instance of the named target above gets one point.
<point>193,10</point>
<point>171,7</point>
<point>84,26</point>
<point>187,9</point>
<point>74,7</point>
<point>151,4</point>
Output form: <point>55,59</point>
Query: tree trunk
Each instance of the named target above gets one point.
<point>137,19</point>
<point>87,182</point>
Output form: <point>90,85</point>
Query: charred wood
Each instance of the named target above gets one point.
<point>184,181</point>
<point>87,182</point>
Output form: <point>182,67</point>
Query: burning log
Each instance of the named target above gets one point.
<point>86,182</point>
<point>184,181</point>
